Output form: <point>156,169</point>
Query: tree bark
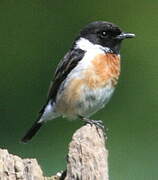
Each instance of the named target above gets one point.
<point>87,160</point>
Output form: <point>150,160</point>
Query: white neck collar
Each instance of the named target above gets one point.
<point>86,45</point>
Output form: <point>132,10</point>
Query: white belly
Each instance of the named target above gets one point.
<point>93,100</point>
<point>84,102</point>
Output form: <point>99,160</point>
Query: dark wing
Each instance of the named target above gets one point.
<point>65,66</point>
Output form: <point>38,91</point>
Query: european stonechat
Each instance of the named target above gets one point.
<point>86,77</point>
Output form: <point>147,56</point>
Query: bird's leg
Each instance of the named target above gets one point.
<point>97,123</point>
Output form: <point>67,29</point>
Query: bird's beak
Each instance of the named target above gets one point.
<point>124,35</point>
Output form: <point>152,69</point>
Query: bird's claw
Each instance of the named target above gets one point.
<point>97,123</point>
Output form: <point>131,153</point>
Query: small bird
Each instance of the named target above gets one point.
<point>86,77</point>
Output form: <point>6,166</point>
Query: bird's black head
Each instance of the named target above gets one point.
<point>105,34</point>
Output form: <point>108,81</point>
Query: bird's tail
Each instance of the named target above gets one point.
<point>32,131</point>
<point>46,113</point>
<point>35,127</point>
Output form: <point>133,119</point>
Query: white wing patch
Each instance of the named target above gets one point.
<point>49,112</point>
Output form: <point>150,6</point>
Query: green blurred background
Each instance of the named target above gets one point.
<point>34,35</point>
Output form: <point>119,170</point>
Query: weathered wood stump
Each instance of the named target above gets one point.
<point>87,160</point>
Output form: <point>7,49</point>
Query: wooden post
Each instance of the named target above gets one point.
<point>87,160</point>
<point>87,157</point>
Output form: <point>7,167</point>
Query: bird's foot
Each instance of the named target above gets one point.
<point>97,123</point>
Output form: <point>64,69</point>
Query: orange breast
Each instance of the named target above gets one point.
<point>105,68</point>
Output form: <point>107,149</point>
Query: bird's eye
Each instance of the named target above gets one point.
<point>103,34</point>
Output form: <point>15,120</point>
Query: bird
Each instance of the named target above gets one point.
<point>86,76</point>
